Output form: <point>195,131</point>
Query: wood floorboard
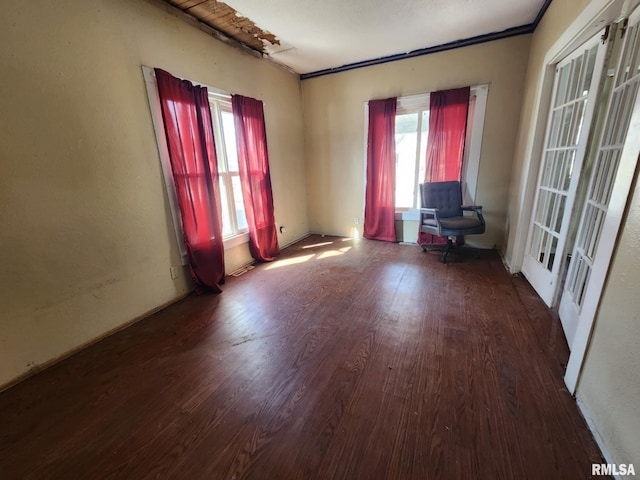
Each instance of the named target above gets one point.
<point>344,359</point>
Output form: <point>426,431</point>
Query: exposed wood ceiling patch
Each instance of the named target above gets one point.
<point>227,20</point>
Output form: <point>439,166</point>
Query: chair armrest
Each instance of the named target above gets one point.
<point>433,212</point>
<point>472,208</point>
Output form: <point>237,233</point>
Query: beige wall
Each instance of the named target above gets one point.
<point>335,129</point>
<point>610,383</point>
<point>86,238</point>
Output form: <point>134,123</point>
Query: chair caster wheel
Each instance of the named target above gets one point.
<point>424,249</point>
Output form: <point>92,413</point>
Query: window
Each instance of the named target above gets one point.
<point>412,132</point>
<point>234,219</point>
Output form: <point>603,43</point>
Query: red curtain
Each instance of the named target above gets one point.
<point>380,202</point>
<point>253,161</point>
<point>448,110</point>
<point>188,127</point>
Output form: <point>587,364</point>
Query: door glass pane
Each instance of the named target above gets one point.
<point>555,128</point>
<point>610,177</point>
<point>565,128</point>
<point>549,166</point>
<point>636,62</point>
<point>569,159</point>
<point>627,70</point>
<point>576,78</point>
<point>622,123</point>
<point>578,118</point>
<point>543,247</point>
<point>578,278</point>
<point>552,253</point>
<point>594,234</point>
<point>591,62</point>
<point>563,79</point>
<point>553,198</point>
<point>557,170</point>
<point>541,206</point>
<point>535,241</point>
<point>614,107</point>
<point>560,213</point>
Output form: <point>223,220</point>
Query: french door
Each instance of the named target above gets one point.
<point>608,189</point>
<point>572,106</point>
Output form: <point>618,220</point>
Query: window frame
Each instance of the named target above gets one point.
<point>417,104</point>
<point>219,103</point>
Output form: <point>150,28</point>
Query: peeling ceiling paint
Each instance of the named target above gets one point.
<point>227,20</point>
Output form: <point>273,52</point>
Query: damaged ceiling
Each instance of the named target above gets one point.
<point>312,37</point>
<point>227,20</point>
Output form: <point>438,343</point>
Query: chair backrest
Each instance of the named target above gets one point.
<point>445,196</point>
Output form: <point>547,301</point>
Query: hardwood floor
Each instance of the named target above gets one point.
<point>345,359</point>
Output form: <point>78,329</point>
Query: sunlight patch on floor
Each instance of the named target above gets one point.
<point>322,244</point>
<point>290,261</point>
<point>334,253</point>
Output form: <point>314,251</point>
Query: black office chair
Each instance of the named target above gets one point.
<point>442,213</point>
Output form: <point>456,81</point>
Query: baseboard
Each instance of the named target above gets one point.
<point>505,262</point>
<point>325,234</point>
<point>596,435</point>
<point>49,363</point>
<point>299,239</point>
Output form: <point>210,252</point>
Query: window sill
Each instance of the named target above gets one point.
<point>410,215</point>
<point>234,241</point>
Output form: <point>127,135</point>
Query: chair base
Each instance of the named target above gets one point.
<point>447,248</point>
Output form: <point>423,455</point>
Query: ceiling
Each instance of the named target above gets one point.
<point>315,37</point>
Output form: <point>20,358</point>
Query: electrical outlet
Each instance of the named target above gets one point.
<point>356,220</point>
<point>175,272</point>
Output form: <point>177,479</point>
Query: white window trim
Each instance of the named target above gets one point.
<point>471,161</point>
<point>163,151</point>
<point>161,141</point>
<point>235,240</point>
